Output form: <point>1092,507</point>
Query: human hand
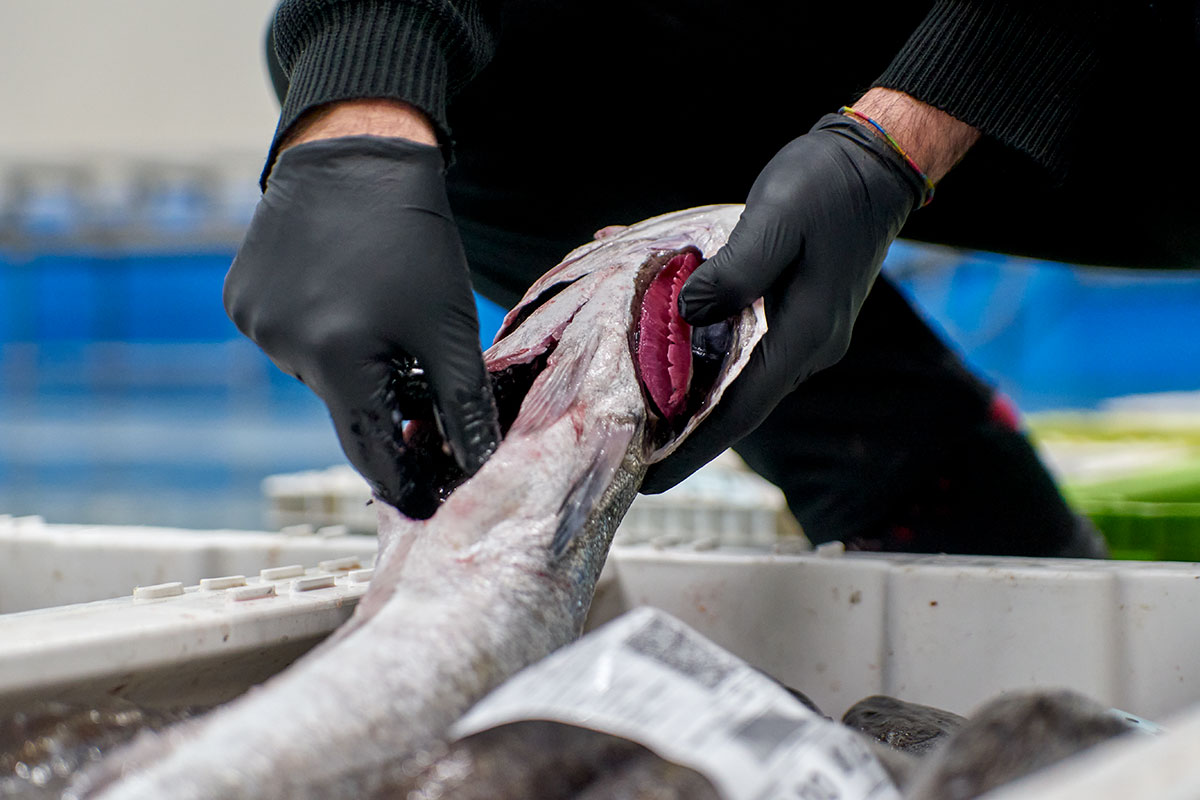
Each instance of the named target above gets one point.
<point>817,225</point>
<point>351,273</point>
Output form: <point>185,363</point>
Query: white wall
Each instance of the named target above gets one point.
<point>157,79</point>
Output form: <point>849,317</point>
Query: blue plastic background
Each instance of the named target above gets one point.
<point>126,395</point>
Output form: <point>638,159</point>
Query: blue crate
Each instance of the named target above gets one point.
<point>173,297</point>
<point>490,317</point>
<point>122,381</point>
<point>154,296</point>
<point>1056,336</point>
<point>114,338</point>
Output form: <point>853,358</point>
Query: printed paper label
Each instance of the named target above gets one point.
<point>651,679</point>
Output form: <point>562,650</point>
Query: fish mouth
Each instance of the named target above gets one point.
<point>677,364</point>
<point>677,367</point>
<point>430,470</point>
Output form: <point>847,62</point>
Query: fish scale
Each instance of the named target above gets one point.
<point>500,576</point>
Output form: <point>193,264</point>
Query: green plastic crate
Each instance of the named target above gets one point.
<point>1153,516</point>
<point>1151,513</point>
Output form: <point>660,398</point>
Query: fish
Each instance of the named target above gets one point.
<point>596,377</point>
<point>1014,735</point>
<point>910,727</point>
<point>553,761</point>
<point>899,733</point>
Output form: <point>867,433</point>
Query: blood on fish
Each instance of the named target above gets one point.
<point>664,352</point>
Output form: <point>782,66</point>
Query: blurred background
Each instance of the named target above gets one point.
<point>132,137</point>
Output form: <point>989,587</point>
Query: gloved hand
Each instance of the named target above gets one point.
<point>817,224</point>
<point>351,268</point>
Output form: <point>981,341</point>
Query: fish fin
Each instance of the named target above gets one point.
<point>557,387</point>
<point>585,495</point>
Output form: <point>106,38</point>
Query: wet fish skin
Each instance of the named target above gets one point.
<point>1010,737</point>
<point>910,727</point>
<point>552,761</point>
<point>899,765</point>
<point>42,745</point>
<point>800,696</point>
<point>461,601</point>
<point>650,777</point>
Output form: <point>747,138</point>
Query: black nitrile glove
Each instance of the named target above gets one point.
<point>352,268</point>
<point>817,224</point>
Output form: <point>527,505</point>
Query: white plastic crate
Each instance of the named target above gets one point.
<point>722,503</point>
<point>947,631</point>
<point>944,630</point>
<point>167,645</point>
<point>49,565</point>
<point>254,603</point>
<point>333,496</point>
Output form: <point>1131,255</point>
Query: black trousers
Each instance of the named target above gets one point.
<point>900,447</point>
<point>897,447</point>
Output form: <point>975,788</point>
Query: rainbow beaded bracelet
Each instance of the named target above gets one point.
<point>850,112</point>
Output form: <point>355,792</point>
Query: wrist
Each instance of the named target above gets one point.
<point>932,138</point>
<point>362,117</point>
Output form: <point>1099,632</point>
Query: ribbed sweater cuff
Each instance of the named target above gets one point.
<point>1015,71</point>
<point>373,49</point>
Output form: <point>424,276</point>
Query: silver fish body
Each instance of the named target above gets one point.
<point>1015,735</point>
<point>501,575</point>
<point>909,727</point>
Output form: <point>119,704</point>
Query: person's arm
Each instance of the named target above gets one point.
<point>935,140</point>
<point>418,53</point>
<point>352,276</point>
<point>1016,70</point>
<point>824,211</point>
<point>365,117</point>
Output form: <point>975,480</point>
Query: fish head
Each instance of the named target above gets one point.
<point>682,371</point>
<point>602,328</point>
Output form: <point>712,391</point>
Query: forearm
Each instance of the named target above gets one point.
<point>1016,70</point>
<point>337,52</point>
<point>372,117</point>
<point>932,138</point>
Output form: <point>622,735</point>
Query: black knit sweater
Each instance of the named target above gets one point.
<point>1015,70</point>
<point>568,116</point>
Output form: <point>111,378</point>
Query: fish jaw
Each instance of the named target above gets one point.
<point>604,287</point>
<point>705,228</point>
<point>587,395</point>
<point>586,413</point>
<point>624,252</point>
<point>664,354</point>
